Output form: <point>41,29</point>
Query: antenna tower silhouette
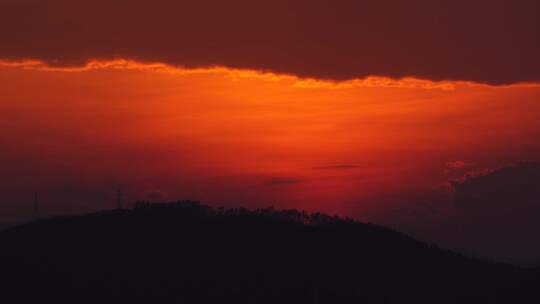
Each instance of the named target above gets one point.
<point>35,215</point>
<point>119,199</point>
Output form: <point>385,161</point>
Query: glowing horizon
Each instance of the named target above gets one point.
<point>335,146</point>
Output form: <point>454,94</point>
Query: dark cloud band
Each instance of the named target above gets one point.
<point>493,42</point>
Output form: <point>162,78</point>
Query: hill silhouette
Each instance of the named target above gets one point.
<point>185,252</point>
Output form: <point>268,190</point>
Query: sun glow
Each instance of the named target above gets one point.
<point>225,135</point>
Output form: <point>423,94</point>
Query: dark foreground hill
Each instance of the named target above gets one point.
<point>188,253</point>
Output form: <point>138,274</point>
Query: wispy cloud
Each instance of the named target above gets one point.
<point>281,181</point>
<point>337,167</point>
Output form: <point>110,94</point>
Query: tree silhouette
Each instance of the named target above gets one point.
<point>185,252</point>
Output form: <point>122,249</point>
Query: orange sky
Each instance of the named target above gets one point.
<point>244,138</point>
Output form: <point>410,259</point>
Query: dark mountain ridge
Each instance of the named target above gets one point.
<point>184,252</point>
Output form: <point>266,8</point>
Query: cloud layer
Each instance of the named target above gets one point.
<point>502,192</point>
<point>499,210</point>
<point>493,42</point>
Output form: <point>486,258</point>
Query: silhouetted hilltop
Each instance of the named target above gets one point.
<point>185,252</point>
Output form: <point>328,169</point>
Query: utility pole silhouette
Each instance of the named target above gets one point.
<point>315,293</point>
<point>119,199</point>
<point>35,215</point>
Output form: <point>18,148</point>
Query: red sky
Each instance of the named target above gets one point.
<point>245,138</point>
<point>362,108</point>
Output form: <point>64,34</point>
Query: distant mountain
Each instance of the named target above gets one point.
<point>185,252</point>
